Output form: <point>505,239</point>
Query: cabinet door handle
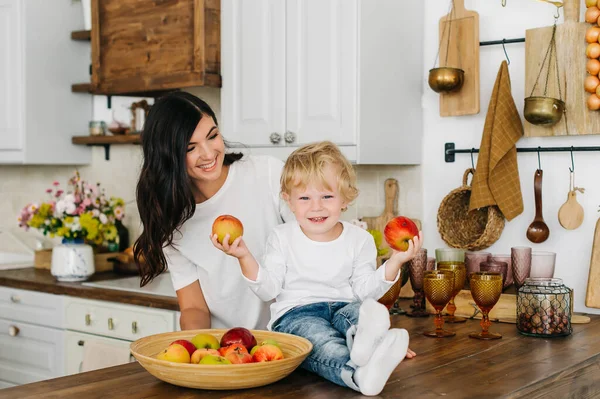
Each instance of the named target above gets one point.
<point>289,137</point>
<point>88,319</point>
<point>134,327</point>
<point>275,138</point>
<point>15,299</point>
<point>110,323</point>
<point>80,342</point>
<point>13,331</point>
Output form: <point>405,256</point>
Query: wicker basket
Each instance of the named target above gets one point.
<point>474,230</point>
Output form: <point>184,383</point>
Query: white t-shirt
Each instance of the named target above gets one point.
<point>251,194</point>
<point>296,270</point>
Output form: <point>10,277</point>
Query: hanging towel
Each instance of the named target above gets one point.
<point>98,355</point>
<point>496,180</point>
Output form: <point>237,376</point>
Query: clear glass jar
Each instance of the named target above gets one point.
<point>544,307</point>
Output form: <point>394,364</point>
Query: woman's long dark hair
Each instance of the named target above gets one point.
<point>164,191</point>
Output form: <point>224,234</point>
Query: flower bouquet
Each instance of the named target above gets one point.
<point>83,213</point>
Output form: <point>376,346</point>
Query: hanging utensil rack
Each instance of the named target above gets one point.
<point>450,150</point>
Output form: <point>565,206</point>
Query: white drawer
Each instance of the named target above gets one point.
<point>74,349</point>
<point>32,307</point>
<point>32,353</point>
<point>116,320</point>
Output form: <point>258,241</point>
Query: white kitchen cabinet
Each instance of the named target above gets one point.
<point>299,71</point>
<point>31,336</point>
<point>38,112</point>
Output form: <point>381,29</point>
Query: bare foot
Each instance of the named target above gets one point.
<point>410,354</point>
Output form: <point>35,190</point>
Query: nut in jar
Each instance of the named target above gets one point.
<point>544,308</point>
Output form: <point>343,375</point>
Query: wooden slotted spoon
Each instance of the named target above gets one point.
<point>570,214</point>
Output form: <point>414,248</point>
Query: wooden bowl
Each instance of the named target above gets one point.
<point>220,377</point>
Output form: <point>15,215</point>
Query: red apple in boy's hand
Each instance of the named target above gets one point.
<point>399,231</point>
<point>238,335</point>
<point>227,224</point>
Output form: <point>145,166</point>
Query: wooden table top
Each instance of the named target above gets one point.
<point>42,281</point>
<point>459,367</point>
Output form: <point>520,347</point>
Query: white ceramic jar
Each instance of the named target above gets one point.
<point>72,261</point>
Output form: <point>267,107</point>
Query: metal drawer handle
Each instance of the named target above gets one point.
<point>88,319</point>
<point>110,323</point>
<point>134,327</point>
<point>15,299</point>
<point>13,331</point>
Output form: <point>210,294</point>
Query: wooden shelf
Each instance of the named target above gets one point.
<point>88,88</point>
<point>107,141</point>
<point>84,35</point>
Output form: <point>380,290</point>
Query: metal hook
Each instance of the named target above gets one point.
<point>539,163</point>
<point>472,163</point>
<point>572,168</point>
<point>503,3</point>
<point>505,53</point>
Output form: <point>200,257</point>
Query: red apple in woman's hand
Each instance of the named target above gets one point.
<point>399,231</point>
<point>227,224</point>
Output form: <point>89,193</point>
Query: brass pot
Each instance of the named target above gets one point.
<point>543,111</point>
<point>446,79</point>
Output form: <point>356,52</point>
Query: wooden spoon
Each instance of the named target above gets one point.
<point>570,214</point>
<point>538,230</point>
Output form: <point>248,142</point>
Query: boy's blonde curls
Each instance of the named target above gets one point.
<point>308,163</point>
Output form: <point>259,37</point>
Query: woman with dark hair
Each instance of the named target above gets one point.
<point>187,181</point>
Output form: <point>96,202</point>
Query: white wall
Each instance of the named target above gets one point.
<point>573,247</point>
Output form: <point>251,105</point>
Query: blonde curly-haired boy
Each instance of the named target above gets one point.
<point>322,273</point>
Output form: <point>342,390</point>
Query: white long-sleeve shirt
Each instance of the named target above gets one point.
<point>296,270</point>
<point>251,194</point>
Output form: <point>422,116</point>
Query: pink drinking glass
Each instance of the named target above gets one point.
<point>430,263</point>
<point>508,259</point>
<point>416,268</point>
<point>542,264</point>
<point>472,261</point>
<point>521,264</point>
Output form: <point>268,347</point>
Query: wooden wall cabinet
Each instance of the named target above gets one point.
<point>153,45</point>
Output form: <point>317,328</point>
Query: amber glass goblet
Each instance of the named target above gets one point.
<point>438,286</point>
<point>460,275</point>
<point>486,288</point>
<point>416,268</point>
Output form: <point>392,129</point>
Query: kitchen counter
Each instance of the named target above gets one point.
<point>459,367</point>
<point>42,281</point>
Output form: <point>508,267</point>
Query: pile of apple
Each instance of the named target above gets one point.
<point>238,345</point>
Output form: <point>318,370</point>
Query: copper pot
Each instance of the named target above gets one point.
<point>543,111</point>
<point>446,79</point>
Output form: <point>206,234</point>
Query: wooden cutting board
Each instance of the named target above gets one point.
<point>592,298</point>
<point>504,310</point>
<point>570,45</point>
<point>463,52</point>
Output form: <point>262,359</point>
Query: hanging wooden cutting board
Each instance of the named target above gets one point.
<point>570,46</point>
<point>592,298</point>
<point>463,52</point>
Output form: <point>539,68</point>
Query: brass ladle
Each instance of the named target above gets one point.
<point>538,230</point>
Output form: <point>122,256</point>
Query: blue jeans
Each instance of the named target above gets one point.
<point>330,327</point>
